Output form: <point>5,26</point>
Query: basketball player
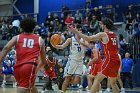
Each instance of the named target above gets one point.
<point>49,71</point>
<point>95,64</point>
<point>74,66</point>
<point>28,47</point>
<point>111,62</point>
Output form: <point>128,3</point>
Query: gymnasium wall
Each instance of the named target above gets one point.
<point>119,5</point>
<point>24,6</point>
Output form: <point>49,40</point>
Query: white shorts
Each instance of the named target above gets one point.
<point>73,68</point>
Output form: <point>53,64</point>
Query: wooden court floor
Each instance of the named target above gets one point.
<point>13,90</point>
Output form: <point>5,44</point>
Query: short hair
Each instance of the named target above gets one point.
<point>28,25</point>
<point>109,23</point>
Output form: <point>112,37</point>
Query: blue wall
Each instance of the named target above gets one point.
<point>55,5</point>
<point>122,5</point>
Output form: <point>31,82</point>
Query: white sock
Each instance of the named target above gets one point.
<point>108,89</point>
<point>3,81</point>
<point>122,89</point>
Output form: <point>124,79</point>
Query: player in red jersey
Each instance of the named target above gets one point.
<point>111,62</point>
<point>28,47</point>
<point>49,71</point>
<point>95,64</point>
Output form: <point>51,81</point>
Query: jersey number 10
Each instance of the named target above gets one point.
<point>29,43</point>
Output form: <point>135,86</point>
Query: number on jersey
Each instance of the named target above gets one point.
<point>114,41</point>
<point>79,48</point>
<point>28,43</point>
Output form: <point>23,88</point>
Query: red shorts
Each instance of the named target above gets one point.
<point>110,68</point>
<point>25,75</point>
<point>94,69</point>
<point>51,74</point>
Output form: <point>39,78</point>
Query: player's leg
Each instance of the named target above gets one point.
<point>121,84</point>
<point>96,82</point>
<point>66,83</point>
<point>114,85</point>
<point>46,83</point>
<point>90,81</point>
<point>25,81</point>
<point>33,90</point>
<point>4,80</point>
<point>108,86</point>
<point>75,80</point>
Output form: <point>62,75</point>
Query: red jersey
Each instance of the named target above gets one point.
<point>51,69</point>
<point>111,48</point>
<point>27,49</point>
<point>99,58</point>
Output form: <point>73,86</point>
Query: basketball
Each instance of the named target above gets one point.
<point>55,39</point>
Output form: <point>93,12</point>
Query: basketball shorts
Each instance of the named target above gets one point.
<point>73,68</point>
<point>94,69</point>
<point>25,75</point>
<point>51,74</point>
<point>110,68</point>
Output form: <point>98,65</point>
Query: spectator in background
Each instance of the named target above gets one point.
<point>65,10</point>
<point>60,73</point>
<point>127,69</point>
<point>51,27</point>
<point>122,46</point>
<point>130,11</point>
<point>137,21</point>
<point>49,18</point>
<point>110,14</point>
<point>62,21</point>
<point>88,6</point>
<point>16,25</point>
<point>43,31</point>
<point>94,24</point>
<point>135,44</point>
<point>86,24</point>
<point>7,69</point>
<point>97,14</point>
<point>129,23</point>
<point>78,17</point>
<point>88,14</point>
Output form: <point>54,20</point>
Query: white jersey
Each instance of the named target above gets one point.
<point>77,51</point>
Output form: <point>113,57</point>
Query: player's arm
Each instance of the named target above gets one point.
<point>95,54</point>
<point>88,38</point>
<point>67,42</point>
<point>7,47</point>
<point>42,55</point>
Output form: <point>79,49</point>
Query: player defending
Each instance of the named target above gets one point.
<point>111,61</point>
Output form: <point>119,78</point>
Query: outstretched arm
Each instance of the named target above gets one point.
<point>87,38</point>
<point>68,41</point>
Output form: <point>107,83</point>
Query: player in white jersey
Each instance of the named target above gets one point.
<point>74,66</point>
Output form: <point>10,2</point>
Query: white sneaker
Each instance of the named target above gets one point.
<point>42,91</point>
<point>106,91</point>
<point>3,85</point>
<point>100,91</point>
<point>122,90</point>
